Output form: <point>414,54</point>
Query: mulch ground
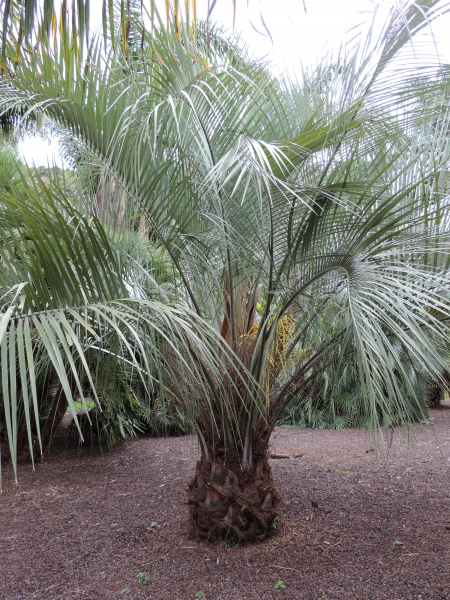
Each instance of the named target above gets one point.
<point>85,524</point>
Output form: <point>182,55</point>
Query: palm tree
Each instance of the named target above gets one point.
<point>77,314</point>
<point>282,206</point>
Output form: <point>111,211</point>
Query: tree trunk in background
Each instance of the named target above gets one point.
<point>110,201</point>
<point>437,396</point>
<point>57,412</point>
<point>227,502</point>
<point>143,227</point>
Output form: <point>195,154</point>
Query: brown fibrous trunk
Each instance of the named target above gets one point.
<point>228,502</point>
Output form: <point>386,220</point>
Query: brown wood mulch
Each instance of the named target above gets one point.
<point>85,524</point>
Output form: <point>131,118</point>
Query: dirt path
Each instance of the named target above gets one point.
<point>84,525</point>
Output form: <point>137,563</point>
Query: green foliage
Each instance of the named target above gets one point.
<point>338,406</point>
<point>10,170</point>
<point>142,577</point>
<point>334,400</point>
<point>274,522</point>
<point>126,409</point>
<point>73,325</point>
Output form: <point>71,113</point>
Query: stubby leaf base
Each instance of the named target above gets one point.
<point>228,502</point>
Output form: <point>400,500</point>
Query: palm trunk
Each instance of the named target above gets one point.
<point>57,412</point>
<point>228,502</point>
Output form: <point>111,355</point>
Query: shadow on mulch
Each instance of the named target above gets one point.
<point>94,524</point>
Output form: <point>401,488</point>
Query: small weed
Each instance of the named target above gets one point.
<point>142,577</point>
<point>184,458</point>
<point>153,524</point>
<point>113,526</point>
<point>279,585</point>
<point>125,591</point>
<point>274,522</point>
<point>200,594</point>
<point>408,469</point>
<point>397,543</point>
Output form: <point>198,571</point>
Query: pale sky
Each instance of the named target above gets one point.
<point>296,37</point>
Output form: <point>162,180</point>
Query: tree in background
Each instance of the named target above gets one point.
<point>72,17</point>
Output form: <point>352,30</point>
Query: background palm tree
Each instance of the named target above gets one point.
<point>283,207</point>
<point>72,16</point>
<point>78,314</point>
